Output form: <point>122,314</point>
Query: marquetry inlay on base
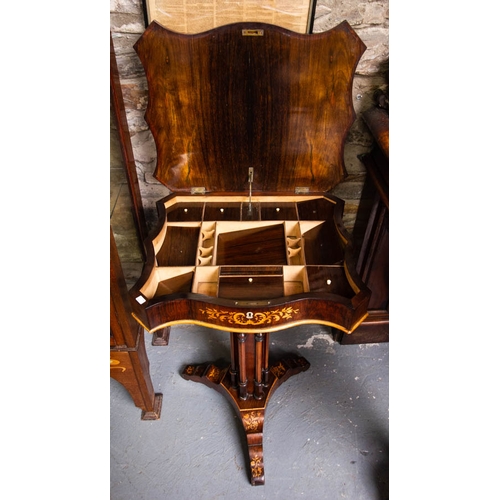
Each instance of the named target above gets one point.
<point>248,382</point>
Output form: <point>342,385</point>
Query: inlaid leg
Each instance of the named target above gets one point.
<point>253,423</point>
<point>249,399</point>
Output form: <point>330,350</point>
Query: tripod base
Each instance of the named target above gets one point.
<point>251,409</point>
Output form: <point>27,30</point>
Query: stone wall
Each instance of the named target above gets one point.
<point>370,19</point>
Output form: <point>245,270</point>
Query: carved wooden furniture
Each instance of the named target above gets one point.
<point>373,260</point>
<point>249,121</point>
<point>118,109</point>
<point>129,362</point>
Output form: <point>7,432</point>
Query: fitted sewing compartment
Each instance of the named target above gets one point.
<point>206,245</point>
<point>249,126</point>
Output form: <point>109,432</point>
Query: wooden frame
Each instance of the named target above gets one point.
<point>118,108</point>
<point>191,16</point>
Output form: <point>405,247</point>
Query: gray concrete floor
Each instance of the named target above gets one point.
<point>325,433</point>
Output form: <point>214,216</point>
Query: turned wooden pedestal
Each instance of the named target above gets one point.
<point>249,382</point>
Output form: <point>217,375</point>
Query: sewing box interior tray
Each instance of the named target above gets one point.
<point>252,253</point>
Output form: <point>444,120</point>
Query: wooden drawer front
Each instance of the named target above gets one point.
<point>320,209</point>
<point>183,212</point>
<point>251,271</point>
<point>223,211</point>
<point>251,287</point>
<point>278,211</point>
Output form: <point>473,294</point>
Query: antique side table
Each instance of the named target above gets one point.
<point>249,122</point>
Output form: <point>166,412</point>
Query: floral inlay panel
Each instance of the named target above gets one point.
<point>250,318</point>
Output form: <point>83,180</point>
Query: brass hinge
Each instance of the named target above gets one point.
<point>301,190</point>
<point>198,190</point>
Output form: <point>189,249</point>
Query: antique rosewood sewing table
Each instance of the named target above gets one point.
<point>249,122</point>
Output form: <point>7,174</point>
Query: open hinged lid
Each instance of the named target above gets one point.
<point>250,95</point>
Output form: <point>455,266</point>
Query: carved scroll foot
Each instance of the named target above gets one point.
<point>250,410</point>
<point>253,423</point>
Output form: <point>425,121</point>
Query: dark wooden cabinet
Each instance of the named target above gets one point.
<point>129,363</point>
<point>373,261</point>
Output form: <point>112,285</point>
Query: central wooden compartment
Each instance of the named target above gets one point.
<point>252,246</point>
<point>246,283</point>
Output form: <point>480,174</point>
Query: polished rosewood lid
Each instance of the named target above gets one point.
<point>250,95</point>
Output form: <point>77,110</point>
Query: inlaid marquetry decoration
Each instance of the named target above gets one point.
<point>214,374</point>
<point>278,370</point>
<point>257,466</point>
<point>189,370</point>
<point>113,363</point>
<point>251,420</point>
<point>250,318</point>
<point>193,16</point>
